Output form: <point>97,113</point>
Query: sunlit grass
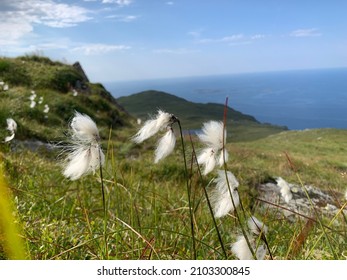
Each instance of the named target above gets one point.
<point>147,207</point>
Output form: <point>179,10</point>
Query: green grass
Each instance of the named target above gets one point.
<point>147,206</point>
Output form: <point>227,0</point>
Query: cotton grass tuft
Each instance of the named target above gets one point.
<point>221,201</point>
<point>213,136</point>
<point>84,152</point>
<point>153,126</point>
<point>11,127</point>
<point>285,190</point>
<point>241,249</point>
<point>165,145</point>
<point>162,121</point>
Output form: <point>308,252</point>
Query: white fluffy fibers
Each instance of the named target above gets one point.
<point>221,201</point>
<point>212,134</point>
<point>165,145</point>
<point>256,227</point>
<point>223,156</point>
<point>285,190</point>
<point>9,138</point>
<point>85,154</point>
<point>241,250</point>
<point>46,109</point>
<point>207,158</point>
<point>84,128</point>
<point>151,127</point>
<point>11,125</point>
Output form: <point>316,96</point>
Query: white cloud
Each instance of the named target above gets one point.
<point>226,39</point>
<point>123,18</point>
<point>175,51</point>
<point>96,49</point>
<point>19,17</point>
<point>118,2</point>
<point>310,32</point>
<point>13,29</point>
<point>258,36</point>
<point>232,40</point>
<point>196,33</point>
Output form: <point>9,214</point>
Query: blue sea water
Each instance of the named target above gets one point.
<point>299,99</point>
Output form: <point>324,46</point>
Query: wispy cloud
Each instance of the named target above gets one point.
<point>196,33</point>
<point>310,32</point>
<point>170,3</point>
<point>19,17</point>
<point>123,18</point>
<point>231,40</point>
<point>118,2</point>
<point>175,51</point>
<point>226,39</point>
<point>258,36</point>
<point>97,49</point>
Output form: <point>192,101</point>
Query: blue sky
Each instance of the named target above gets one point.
<point>149,39</point>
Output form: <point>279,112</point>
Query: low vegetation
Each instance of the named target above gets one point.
<point>147,207</point>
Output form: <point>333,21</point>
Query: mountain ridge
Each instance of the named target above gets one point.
<point>192,115</point>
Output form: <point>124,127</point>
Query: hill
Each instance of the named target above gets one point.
<point>192,115</point>
<point>147,211</point>
<point>31,83</point>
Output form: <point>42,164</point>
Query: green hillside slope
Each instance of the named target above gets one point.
<point>62,88</point>
<point>192,115</point>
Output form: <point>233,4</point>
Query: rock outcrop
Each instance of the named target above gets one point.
<point>295,201</point>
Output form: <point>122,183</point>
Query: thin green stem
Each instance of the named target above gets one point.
<point>188,193</point>
<point>228,183</point>
<point>104,207</point>
<point>209,203</point>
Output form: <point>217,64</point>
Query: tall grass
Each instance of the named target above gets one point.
<point>11,240</point>
<point>148,206</point>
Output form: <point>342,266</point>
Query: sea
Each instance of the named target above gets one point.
<point>297,99</point>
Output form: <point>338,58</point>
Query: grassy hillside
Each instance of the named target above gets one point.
<point>147,207</point>
<point>192,115</point>
<point>53,84</point>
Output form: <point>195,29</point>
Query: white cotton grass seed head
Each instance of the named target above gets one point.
<point>84,152</point>
<point>82,161</point>
<point>256,227</point>
<point>11,125</point>
<point>32,96</point>
<point>165,145</point>
<point>32,104</point>
<point>207,158</point>
<point>84,128</point>
<point>223,157</point>
<point>241,250</point>
<point>9,138</point>
<point>212,134</point>
<point>284,189</point>
<point>161,121</point>
<point>221,201</point>
<point>46,109</point>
